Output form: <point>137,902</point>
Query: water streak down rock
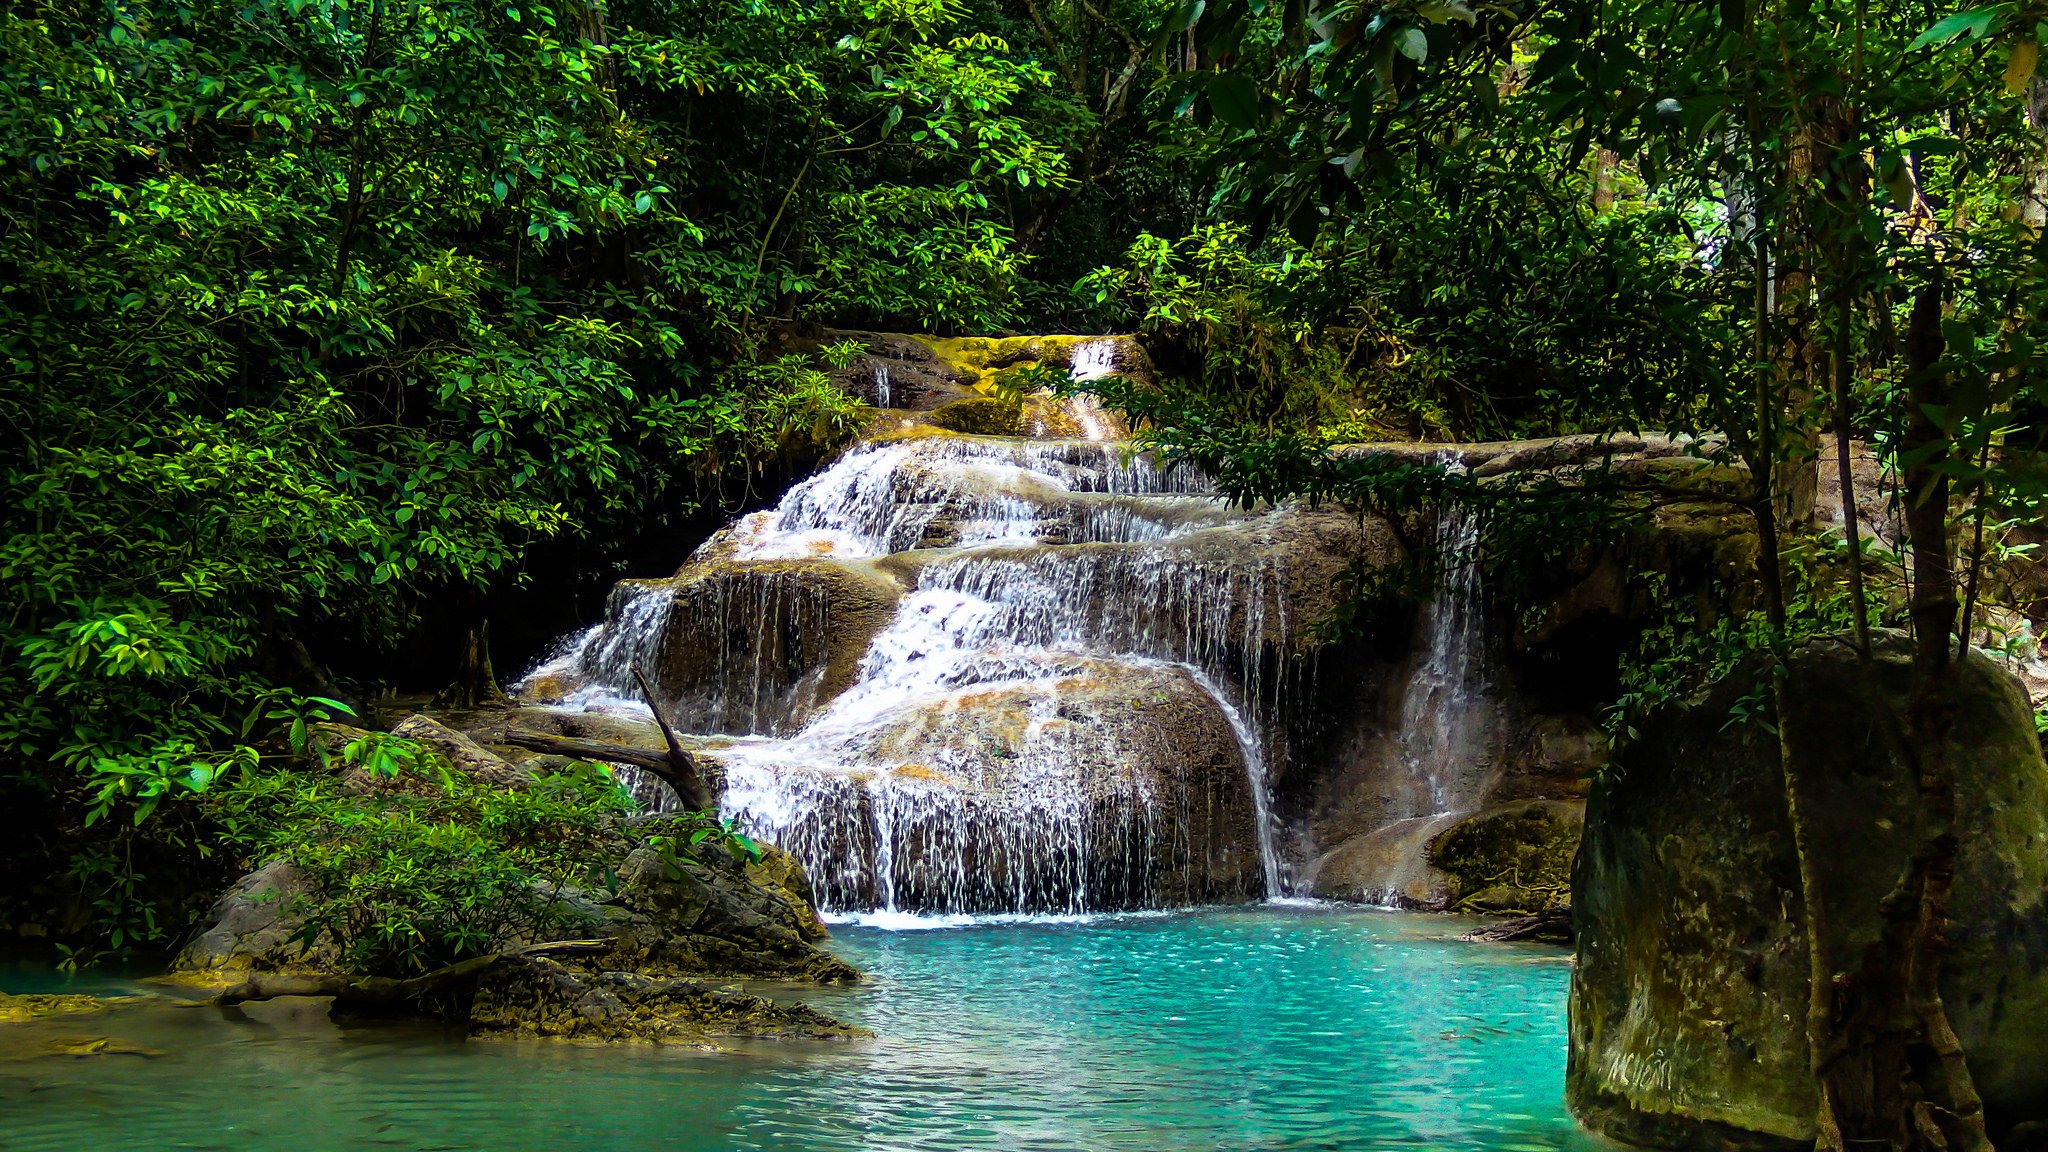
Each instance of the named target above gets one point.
<point>976,674</point>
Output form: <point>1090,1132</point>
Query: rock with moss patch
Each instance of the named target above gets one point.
<point>715,915</point>
<point>26,1008</point>
<point>1690,993</point>
<point>565,1000</point>
<point>254,927</point>
<point>1512,860</point>
<point>981,416</point>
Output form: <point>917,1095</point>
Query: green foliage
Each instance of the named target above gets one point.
<point>427,866</point>
<point>1693,641</point>
<point>697,830</point>
<point>315,319</point>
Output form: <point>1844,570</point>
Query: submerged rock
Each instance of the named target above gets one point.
<point>1689,998</point>
<point>25,1008</point>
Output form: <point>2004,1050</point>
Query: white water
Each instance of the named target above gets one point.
<point>1444,688</point>
<point>1442,716</point>
<point>991,754</point>
<point>1092,361</point>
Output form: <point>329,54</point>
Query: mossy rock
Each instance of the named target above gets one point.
<point>544,998</point>
<point>22,1009</point>
<point>1515,859</point>
<point>981,416</point>
<point>1689,995</point>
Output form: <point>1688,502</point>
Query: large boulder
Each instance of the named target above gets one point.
<point>1689,997</point>
<point>734,646</point>
<point>256,926</point>
<point>710,914</point>
<point>687,912</point>
<point>1098,784</point>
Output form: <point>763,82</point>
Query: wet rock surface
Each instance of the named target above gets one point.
<point>1689,996</point>
<point>1100,785</point>
<point>23,1009</point>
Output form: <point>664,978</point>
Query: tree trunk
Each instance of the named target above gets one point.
<point>1894,1074</point>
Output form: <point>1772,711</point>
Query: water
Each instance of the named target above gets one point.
<point>1265,1028</point>
<point>991,753</point>
<point>1442,694</point>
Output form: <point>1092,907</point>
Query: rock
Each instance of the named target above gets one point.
<point>252,928</point>
<point>980,416</point>
<point>1553,925</point>
<point>23,1009</point>
<point>709,915</point>
<point>1123,781</point>
<point>1510,859</point>
<point>1388,865</point>
<point>1514,859</point>
<point>81,1047</point>
<point>1690,992</point>
<point>547,998</point>
<point>757,646</point>
<point>466,755</point>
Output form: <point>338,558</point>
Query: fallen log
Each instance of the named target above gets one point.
<point>646,759</point>
<point>683,775</point>
<point>576,747</point>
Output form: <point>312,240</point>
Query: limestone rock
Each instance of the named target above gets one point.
<point>542,997</point>
<point>980,416</point>
<point>757,646</point>
<point>465,754</point>
<point>710,915</point>
<point>1689,996</point>
<point>252,928</point>
<point>23,1009</point>
<point>1123,781</point>
<point>1507,859</point>
<point>1513,859</point>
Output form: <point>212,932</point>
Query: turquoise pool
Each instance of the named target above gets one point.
<point>1260,1028</point>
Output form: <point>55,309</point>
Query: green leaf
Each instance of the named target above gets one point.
<point>1412,43</point>
<point>1235,100</point>
<point>1971,23</point>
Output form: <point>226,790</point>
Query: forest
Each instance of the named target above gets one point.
<point>1475,444</point>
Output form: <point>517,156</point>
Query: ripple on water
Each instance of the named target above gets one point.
<point>1239,1029</point>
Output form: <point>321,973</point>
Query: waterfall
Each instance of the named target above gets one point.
<point>1445,727</point>
<point>1251,747</point>
<point>1092,361</point>
<point>1078,649</point>
<point>1444,688</point>
<point>882,386</point>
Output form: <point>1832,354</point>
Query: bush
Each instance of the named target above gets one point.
<point>430,867</point>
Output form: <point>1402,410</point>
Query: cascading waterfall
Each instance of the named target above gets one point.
<point>1079,633</point>
<point>1013,615</point>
